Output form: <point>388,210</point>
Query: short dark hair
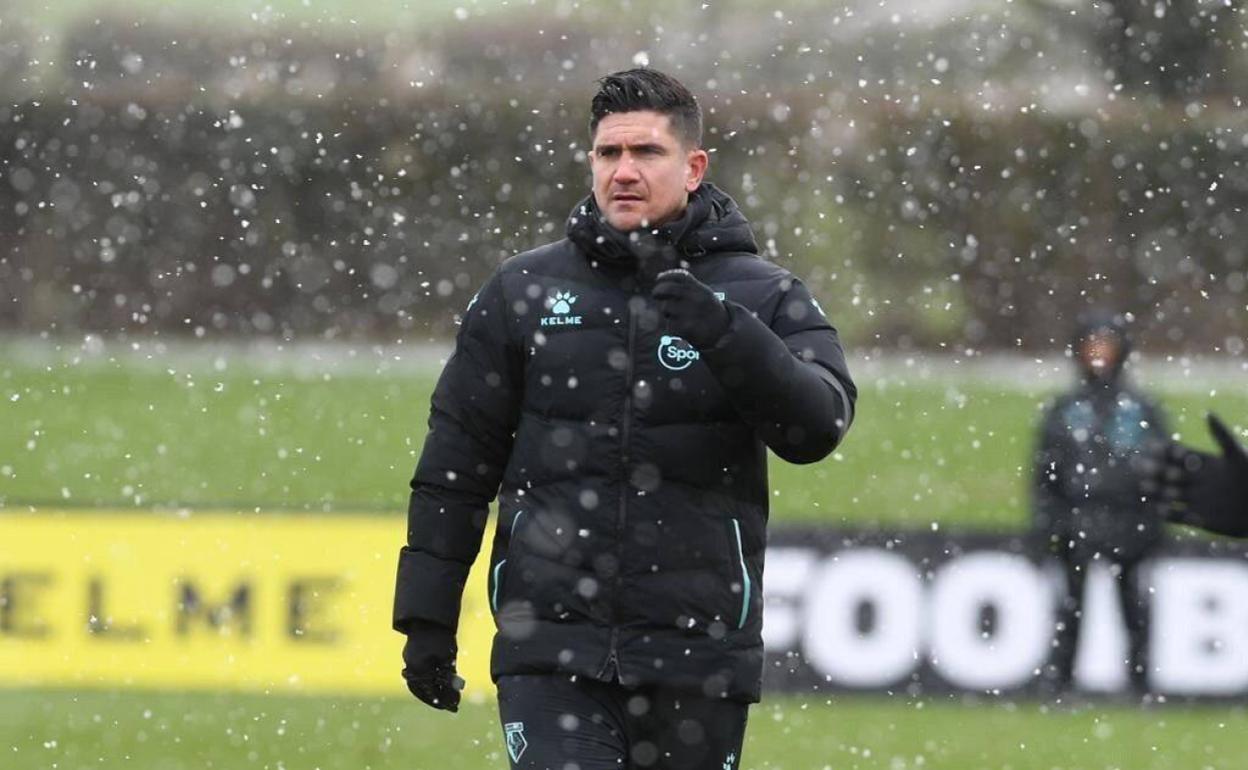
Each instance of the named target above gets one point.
<point>643,88</point>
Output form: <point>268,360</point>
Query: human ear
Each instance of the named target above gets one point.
<point>695,168</point>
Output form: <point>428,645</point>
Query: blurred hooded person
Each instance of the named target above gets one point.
<point>618,391</point>
<point>1097,450</point>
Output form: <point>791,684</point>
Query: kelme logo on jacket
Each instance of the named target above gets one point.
<point>676,354</point>
<point>561,305</point>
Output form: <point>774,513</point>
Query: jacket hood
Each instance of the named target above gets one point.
<point>1100,322</point>
<point>711,223</point>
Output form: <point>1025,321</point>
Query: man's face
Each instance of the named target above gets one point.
<point>642,173</point>
<point>1100,353</point>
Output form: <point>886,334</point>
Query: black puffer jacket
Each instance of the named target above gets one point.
<point>634,495</point>
<point>1098,444</point>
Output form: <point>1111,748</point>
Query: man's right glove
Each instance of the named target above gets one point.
<point>429,665</point>
<point>690,309</point>
<point>1206,490</point>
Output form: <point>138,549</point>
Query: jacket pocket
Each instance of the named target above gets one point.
<point>741,573</point>
<point>499,572</point>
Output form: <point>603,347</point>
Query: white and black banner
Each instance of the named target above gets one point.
<point>927,612</point>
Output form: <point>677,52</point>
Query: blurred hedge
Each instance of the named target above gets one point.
<point>1039,217</point>
<point>347,185</point>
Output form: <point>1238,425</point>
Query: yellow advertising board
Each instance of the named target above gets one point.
<point>220,601</point>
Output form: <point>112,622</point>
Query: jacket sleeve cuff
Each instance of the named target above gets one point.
<point>427,589</point>
<point>728,338</point>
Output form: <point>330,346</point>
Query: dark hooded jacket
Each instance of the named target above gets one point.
<point>630,468</point>
<point>1097,445</point>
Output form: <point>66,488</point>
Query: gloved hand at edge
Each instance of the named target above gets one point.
<point>429,665</point>
<point>1206,490</point>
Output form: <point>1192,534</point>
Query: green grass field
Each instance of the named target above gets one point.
<point>250,433</point>
<point>41,729</point>
<point>343,435</point>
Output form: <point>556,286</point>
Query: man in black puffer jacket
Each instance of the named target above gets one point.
<point>622,385</point>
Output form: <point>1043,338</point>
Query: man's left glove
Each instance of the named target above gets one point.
<point>429,665</point>
<point>690,308</point>
<point>1206,490</point>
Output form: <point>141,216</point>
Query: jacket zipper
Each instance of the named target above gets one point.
<point>613,661</point>
<point>745,576</point>
<point>494,597</point>
<point>498,568</point>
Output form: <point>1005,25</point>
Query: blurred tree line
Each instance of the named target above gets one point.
<point>968,184</point>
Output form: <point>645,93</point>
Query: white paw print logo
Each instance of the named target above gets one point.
<point>563,302</point>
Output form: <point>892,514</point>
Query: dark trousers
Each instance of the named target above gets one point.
<point>1133,599</point>
<point>558,722</point>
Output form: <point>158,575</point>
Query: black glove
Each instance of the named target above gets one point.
<point>689,308</point>
<point>1205,490</point>
<point>429,665</point>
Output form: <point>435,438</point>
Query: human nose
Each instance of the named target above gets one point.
<point>626,171</point>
